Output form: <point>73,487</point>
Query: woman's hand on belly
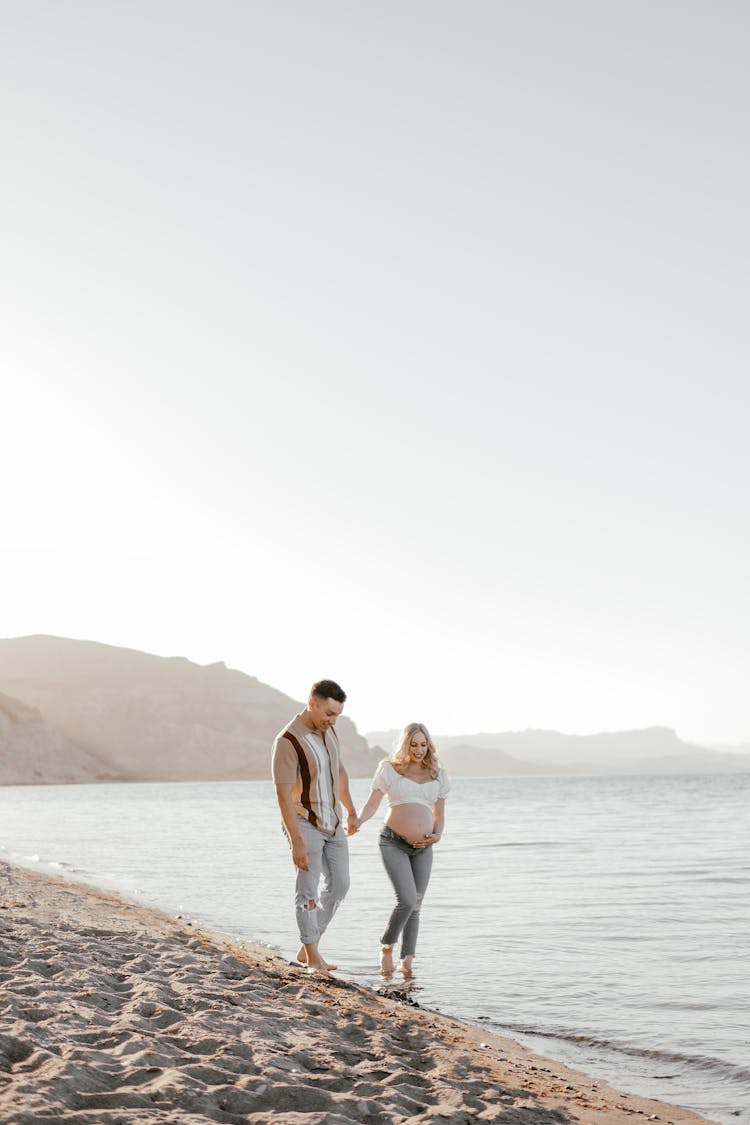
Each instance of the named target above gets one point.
<point>413,822</point>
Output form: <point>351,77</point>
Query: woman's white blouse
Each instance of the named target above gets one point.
<point>403,791</point>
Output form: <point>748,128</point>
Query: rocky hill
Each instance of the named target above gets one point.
<point>31,751</point>
<point>135,716</point>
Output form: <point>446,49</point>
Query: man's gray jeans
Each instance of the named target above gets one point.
<point>329,857</point>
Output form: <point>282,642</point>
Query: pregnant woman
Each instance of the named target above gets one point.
<point>415,786</point>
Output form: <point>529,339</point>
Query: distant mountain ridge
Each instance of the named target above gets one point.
<point>653,750</point>
<point>732,748</point>
<point>73,711</point>
<point>106,712</point>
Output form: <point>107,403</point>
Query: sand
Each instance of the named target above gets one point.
<point>110,1012</point>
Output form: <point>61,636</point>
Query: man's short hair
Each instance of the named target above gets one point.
<point>328,689</point>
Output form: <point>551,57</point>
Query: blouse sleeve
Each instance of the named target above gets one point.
<point>380,781</point>
<point>444,785</point>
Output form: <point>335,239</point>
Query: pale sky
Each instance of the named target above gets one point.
<point>405,343</point>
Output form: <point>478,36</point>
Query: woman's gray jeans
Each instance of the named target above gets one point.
<point>409,870</point>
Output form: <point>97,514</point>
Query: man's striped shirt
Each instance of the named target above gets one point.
<point>309,761</point>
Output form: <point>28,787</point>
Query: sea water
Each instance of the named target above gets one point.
<point>602,921</point>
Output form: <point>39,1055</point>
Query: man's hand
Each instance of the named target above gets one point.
<point>300,854</point>
<point>352,823</point>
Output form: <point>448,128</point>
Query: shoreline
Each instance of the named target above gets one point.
<point>116,1013</point>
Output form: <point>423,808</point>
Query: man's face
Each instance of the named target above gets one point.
<point>323,712</point>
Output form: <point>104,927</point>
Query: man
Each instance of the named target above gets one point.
<point>311,786</point>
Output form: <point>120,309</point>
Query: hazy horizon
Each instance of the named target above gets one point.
<point>405,345</point>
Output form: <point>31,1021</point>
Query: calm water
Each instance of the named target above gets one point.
<point>601,921</point>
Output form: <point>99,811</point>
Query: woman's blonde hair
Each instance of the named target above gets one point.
<point>400,758</point>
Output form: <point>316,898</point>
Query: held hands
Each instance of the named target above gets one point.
<point>352,823</point>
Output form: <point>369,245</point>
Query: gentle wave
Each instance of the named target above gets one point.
<point>719,1067</point>
<point>40,861</point>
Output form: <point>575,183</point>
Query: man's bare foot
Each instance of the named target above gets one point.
<point>386,960</point>
<point>406,970</point>
<point>320,968</point>
<point>304,960</point>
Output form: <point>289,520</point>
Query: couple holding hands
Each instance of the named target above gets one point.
<point>311,787</point>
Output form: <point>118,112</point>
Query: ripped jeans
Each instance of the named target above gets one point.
<point>409,871</point>
<point>329,857</point>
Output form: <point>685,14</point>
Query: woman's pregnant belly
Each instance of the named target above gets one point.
<point>410,821</point>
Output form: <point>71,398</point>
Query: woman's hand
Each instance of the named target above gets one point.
<point>426,840</point>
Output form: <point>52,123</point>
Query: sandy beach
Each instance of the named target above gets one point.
<point>111,1012</point>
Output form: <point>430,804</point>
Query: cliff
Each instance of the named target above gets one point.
<point>31,751</point>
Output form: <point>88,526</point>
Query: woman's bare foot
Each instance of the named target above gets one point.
<point>406,971</point>
<point>315,964</point>
<point>386,960</point>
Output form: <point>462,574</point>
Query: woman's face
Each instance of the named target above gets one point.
<point>417,746</point>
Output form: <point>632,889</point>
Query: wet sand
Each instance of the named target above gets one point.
<point>113,1013</point>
